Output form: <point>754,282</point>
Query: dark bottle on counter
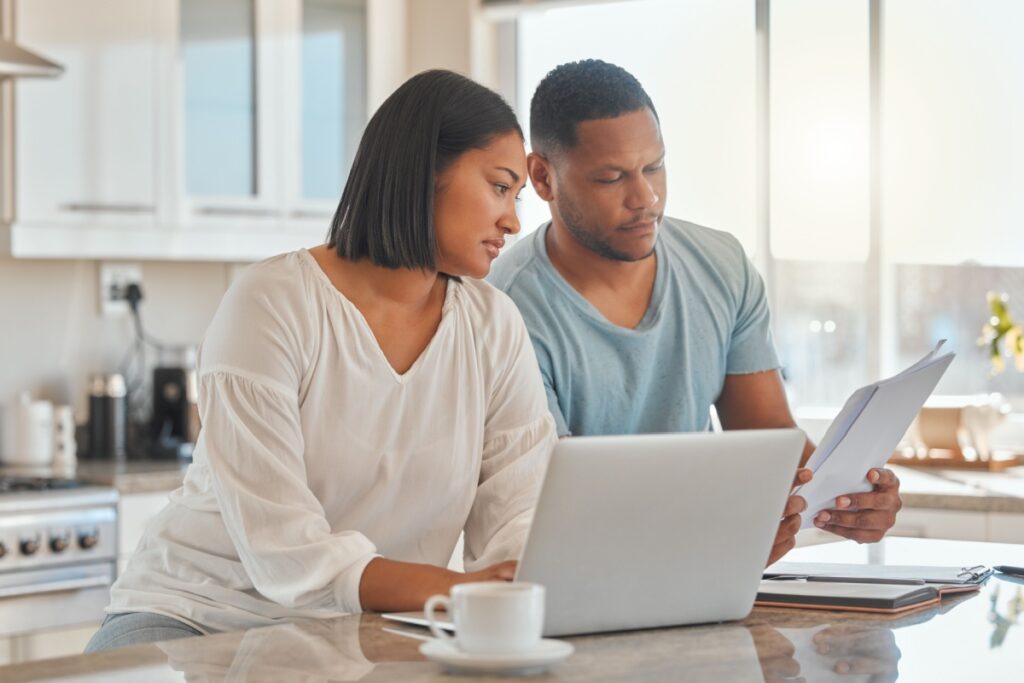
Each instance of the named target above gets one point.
<point>108,417</point>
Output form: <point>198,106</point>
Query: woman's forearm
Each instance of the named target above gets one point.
<point>392,586</point>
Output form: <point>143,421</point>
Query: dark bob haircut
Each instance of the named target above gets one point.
<point>386,212</point>
<point>581,91</point>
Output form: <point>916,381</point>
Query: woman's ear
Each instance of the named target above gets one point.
<point>541,176</point>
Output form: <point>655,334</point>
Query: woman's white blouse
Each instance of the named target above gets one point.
<point>315,456</point>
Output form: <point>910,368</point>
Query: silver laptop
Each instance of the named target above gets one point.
<point>655,530</point>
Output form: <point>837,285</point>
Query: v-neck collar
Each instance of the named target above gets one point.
<point>450,296</point>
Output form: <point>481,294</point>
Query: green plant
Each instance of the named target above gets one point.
<point>1002,335</point>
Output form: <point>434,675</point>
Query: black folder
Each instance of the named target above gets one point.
<point>881,598</point>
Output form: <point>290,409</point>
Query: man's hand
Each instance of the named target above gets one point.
<point>785,537</point>
<point>865,517</point>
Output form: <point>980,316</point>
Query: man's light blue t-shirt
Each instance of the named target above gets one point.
<point>708,317</point>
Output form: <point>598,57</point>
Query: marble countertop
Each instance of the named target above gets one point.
<point>131,476</point>
<point>978,637</point>
<point>963,490</point>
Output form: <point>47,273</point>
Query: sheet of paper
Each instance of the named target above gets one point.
<point>867,432</point>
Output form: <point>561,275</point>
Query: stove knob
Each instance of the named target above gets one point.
<point>88,539</point>
<point>29,546</point>
<point>59,544</point>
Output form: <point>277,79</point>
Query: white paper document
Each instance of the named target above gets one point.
<point>867,431</point>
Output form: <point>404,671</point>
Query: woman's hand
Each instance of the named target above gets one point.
<point>392,586</point>
<point>503,571</point>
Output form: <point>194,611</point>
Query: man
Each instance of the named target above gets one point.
<point>640,322</point>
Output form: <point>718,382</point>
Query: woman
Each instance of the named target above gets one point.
<point>362,403</point>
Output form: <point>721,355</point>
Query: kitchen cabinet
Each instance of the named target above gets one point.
<point>87,141</point>
<point>134,512</point>
<point>1006,528</point>
<point>190,129</point>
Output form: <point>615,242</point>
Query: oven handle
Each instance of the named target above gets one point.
<point>54,586</point>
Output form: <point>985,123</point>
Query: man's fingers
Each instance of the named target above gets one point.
<point>788,527</point>
<point>882,478</point>
<point>803,475</point>
<point>862,519</point>
<point>858,535</point>
<point>887,500</point>
<point>781,548</point>
<point>794,506</point>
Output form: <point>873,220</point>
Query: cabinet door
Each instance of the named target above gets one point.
<point>229,52</point>
<point>86,141</point>
<point>325,81</point>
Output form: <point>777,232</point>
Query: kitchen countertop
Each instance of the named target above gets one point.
<point>131,476</point>
<point>921,488</point>
<point>962,490</point>
<point>977,637</point>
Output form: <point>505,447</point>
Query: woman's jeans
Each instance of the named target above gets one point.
<point>135,628</point>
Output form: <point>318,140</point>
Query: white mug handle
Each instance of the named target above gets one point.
<point>433,603</point>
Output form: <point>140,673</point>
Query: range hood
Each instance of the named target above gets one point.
<point>19,62</point>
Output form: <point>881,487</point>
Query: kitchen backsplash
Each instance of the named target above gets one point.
<point>54,336</point>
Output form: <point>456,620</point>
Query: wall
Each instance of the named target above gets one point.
<point>54,336</point>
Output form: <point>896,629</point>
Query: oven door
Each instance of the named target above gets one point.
<point>56,597</point>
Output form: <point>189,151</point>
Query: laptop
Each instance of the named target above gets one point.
<point>655,530</point>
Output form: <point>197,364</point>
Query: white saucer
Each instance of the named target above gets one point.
<point>535,661</point>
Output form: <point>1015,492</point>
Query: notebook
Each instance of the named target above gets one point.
<point>887,589</point>
<point>880,598</point>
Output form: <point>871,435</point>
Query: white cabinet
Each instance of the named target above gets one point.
<point>1006,527</point>
<point>134,512</point>
<point>189,129</point>
<point>87,141</point>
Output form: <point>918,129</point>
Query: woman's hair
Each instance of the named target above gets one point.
<point>386,212</point>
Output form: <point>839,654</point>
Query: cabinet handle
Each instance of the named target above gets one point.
<point>251,211</point>
<point>72,584</point>
<point>94,207</point>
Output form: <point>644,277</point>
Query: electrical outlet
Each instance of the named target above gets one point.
<point>114,280</point>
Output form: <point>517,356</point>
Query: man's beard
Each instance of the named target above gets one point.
<point>573,220</point>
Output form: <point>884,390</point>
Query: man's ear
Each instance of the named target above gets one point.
<point>541,176</point>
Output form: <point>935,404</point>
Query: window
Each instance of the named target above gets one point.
<point>333,84</point>
<point>863,281</point>
<point>218,53</point>
<point>697,62</point>
<point>952,209</point>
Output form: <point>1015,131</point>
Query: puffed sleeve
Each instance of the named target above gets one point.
<point>519,435</point>
<point>251,441</point>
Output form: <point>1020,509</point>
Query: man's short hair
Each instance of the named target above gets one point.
<point>581,91</point>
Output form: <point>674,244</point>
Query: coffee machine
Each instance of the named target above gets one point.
<point>174,426</point>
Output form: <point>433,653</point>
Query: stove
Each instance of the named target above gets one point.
<point>12,484</point>
<point>58,552</point>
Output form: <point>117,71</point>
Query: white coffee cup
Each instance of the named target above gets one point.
<point>491,617</point>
